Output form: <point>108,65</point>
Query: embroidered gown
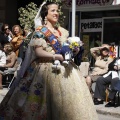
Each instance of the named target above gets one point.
<point>44,94</point>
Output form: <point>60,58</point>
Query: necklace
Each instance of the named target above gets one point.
<point>55,31</point>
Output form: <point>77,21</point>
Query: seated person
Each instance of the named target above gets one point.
<point>5,34</point>
<point>2,57</point>
<point>102,60</point>
<point>17,38</point>
<point>111,78</point>
<point>11,64</point>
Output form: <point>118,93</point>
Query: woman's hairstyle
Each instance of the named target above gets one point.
<point>44,10</point>
<point>3,27</point>
<point>1,48</point>
<point>9,47</point>
<point>104,49</point>
<point>20,30</point>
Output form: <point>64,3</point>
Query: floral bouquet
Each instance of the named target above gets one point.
<point>69,50</point>
<point>74,44</point>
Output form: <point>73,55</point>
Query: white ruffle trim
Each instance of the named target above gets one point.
<point>38,42</point>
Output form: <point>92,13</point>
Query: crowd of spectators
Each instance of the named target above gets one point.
<point>12,46</point>
<point>106,75</point>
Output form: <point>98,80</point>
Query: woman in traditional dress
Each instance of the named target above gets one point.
<point>42,93</point>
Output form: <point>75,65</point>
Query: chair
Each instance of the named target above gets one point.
<point>19,62</point>
<point>117,88</point>
<point>117,95</point>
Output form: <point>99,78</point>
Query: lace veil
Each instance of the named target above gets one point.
<point>38,19</point>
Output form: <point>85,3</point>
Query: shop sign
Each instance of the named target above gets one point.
<point>91,25</point>
<point>88,2</point>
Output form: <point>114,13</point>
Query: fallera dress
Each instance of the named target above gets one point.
<point>44,94</point>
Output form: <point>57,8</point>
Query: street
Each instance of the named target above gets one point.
<point>107,117</point>
<point>100,116</point>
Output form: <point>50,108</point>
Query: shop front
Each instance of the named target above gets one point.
<point>97,22</point>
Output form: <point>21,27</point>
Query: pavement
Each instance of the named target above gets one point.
<point>112,111</point>
<point>101,109</point>
<point>3,92</point>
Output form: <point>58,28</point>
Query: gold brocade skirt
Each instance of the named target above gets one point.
<point>44,94</point>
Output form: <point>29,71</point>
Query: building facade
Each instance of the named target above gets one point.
<point>97,21</point>
<point>9,10</point>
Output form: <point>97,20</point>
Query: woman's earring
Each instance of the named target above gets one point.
<point>45,20</point>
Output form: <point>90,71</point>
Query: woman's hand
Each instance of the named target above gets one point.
<point>10,33</point>
<point>116,67</point>
<point>58,57</point>
<point>76,51</point>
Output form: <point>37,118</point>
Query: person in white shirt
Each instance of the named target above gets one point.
<point>11,64</point>
<point>2,61</point>
<point>2,57</point>
<point>111,78</point>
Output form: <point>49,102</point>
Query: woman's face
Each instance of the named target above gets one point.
<point>5,48</point>
<point>105,53</point>
<point>16,30</point>
<point>6,30</point>
<point>53,14</point>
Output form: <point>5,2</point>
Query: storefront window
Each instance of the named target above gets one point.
<point>111,30</point>
<point>100,14</point>
<point>99,27</point>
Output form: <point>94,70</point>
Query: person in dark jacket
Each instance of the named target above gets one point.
<point>111,78</point>
<point>5,34</point>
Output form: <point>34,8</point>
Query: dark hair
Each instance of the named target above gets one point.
<point>3,27</point>
<point>44,10</point>
<point>9,47</point>
<point>1,48</point>
<point>104,49</point>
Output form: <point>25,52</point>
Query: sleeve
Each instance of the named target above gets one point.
<point>18,43</point>
<point>78,57</point>
<point>95,52</point>
<point>111,65</point>
<point>38,40</point>
<point>2,59</point>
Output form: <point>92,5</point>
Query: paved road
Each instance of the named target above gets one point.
<point>100,116</point>
<point>3,93</point>
<point>107,117</point>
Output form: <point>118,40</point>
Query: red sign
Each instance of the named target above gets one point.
<point>89,2</point>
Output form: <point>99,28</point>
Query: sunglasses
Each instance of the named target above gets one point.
<point>6,28</point>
